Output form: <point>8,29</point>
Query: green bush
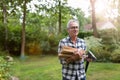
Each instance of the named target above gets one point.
<point>5,67</point>
<point>3,53</point>
<point>14,39</point>
<point>115,56</point>
<point>2,36</point>
<point>92,42</point>
<point>37,43</point>
<point>106,53</point>
<point>54,41</point>
<point>83,34</point>
<point>101,51</point>
<point>101,54</point>
<point>33,48</point>
<point>108,36</point>
<point>50,45</point>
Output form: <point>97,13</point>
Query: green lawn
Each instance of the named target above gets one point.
<point>48,68</point>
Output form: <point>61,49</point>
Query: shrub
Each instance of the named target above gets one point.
<point>108,36</point>
<point>33,48</point>
<point>5,67</point>
<point>115,56</point>
<point>92,42</point>
<point>42,44</point>
<point>83,34</point>
<point>3,53</point>
<point>14,39</point>
<point>51,45</point>
<point>101,53</point>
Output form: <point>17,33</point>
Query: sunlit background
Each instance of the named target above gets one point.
<point>102,7</point>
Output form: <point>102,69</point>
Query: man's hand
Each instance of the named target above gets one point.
<point>88,59</point>
<point>80,52</point>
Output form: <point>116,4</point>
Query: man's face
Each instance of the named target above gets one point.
<point>73,30</point>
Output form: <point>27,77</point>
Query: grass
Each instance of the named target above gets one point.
<point>49,68</point>
<point>103,71</point>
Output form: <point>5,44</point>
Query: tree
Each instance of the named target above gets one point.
<point>23,27</point>
<point>6,5</point>
<point>59,6</point>
<point>94,18</point>
<point>59,16</point>
<point>5,23</point>
<point>118,7</point>
<point>55,14</point>
<point>23,30</point>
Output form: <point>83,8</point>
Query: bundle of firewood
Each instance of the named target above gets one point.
<point>68,53</point>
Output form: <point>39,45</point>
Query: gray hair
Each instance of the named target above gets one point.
<point>72,20</point>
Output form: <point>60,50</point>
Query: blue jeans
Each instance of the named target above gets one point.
<point>75,78</point>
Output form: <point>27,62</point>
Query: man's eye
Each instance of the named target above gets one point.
<point>74,27</point>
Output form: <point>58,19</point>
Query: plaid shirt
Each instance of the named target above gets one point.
<point>70,71</point>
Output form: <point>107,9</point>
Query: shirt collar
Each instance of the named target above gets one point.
<point>69,38</point>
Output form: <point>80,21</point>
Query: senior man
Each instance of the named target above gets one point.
<point>72,68</point>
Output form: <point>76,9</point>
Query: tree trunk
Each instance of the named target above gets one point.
<point>5,25</point>
<point>118,18</point>
<point>59,17</point>
<point>94,18</point>
<point>23,32</point>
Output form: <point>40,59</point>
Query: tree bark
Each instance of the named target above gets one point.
<point>5,25</point>
<point>59,17</point>
<point>23,32</point>
<point>94,18</point>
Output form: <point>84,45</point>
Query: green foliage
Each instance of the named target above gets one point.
<point>50,43</point>
<point>2,39</point>
<point>54,40</point>
<point>14,40</point>
<point>83,34</point>
<point>34,38</point>
<point>104,49</point>
<point>101,51</point>
<point>3,53</point>
<point>38,41</point>
<point>92,42</point>
<point>109,36</point>
<point>5,68</point>
<point>42,29</point>
<point>115,56</point>
<point>37,38</point>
